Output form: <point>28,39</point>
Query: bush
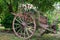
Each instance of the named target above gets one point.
<point>0,20</point>
<point>7,22</point>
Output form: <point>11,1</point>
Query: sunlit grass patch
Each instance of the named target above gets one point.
<point>2,28</point>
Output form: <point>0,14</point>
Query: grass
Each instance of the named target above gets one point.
<point>46,37</point>
<point>2,28</point>
<point>10,36</point>
<point>6,36</point>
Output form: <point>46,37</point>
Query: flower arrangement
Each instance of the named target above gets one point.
<point>26,7</point>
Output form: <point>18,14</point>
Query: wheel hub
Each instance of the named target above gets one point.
<point>24,24</point>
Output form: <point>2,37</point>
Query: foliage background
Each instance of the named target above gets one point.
<point>8,6</point>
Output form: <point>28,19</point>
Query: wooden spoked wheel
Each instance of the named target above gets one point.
<point>24,26</point>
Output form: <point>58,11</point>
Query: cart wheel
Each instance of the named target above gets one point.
<point>24,26</point>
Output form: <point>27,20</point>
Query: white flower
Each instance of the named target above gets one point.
<point>27,6</point>
<point>30,6</point>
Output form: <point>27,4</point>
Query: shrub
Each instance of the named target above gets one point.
<point>7,22</point>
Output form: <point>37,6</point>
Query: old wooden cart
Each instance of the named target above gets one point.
<point>26,23</point>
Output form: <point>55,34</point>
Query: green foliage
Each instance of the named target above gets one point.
<point>8,6</point>
<point>6,15</point>
<point>43,5</point>
<point>0,9</point>
<point>7,22</point>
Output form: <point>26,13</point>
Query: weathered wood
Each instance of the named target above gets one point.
<point>43,19</point>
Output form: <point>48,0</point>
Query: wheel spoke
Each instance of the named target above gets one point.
<point>18,20</point>
<point>24,33</point>
<point>16,24</point>
<point>31,28</point>
<point>19,30</point>
<point>16,28</point>
<point>22,19</point>
<point>30,31</point>
<point>27,32</point>
<point>29,23</point>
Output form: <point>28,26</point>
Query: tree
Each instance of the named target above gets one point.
<point>9,6</point>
